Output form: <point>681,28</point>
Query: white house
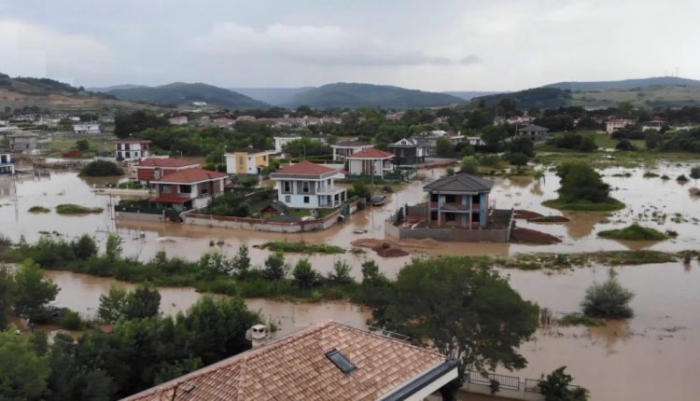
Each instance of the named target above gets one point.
<point>280,141</point>
<point>179,120</point>
<point>188,189</point>
<point>133,149</point>
<point>87,129</point>
<point>346,148</point>
<point>613,125</point>
<point>370,162</point>
<point>308,185</point>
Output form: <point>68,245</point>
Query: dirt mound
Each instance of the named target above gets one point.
<point>384,248</point>
<point>525,214</point>
<point>390,252</point>
<point>528,236</point>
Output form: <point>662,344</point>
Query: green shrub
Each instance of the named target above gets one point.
<point>557,387</point>
<point>71,321</point>
<point>634,232</point>
<point>608,301</point>
<point>577,319</point>
<point>101,168</point>
<point>70,208</point>
<point>301,247</point>
<point>39,209</point>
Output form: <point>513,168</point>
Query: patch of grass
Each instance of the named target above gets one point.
<point>639,257</point>
<point>39,209</point>
<point>577,319</point>
<point>70,208</point>
<point>301,247</point>
<point>550,219</point>
<point>650,174</point>
<point>586,206</point>
<point>634,232</point>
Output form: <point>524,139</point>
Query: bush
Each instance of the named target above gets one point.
<point>557,387</point>
<point>625,144</point>
<point>608,301</point>
<point>39,209</point>
<point>470,165</point>
<point>634,232</point>
<point>77,209</point>
<point>300,247</point>
<point>101,168</point>
<point>71,321</point>
<point>577,319</point>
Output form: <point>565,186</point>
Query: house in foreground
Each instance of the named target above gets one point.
<point>188,189</point>
<point>6,164</point>
<point>408,152</point>
<point>535,133</point>
<point>344,149</point>
<point>309,185</point>
<point>155,168</point>
<point>329,361</point>
<point>370,163</point>
<point>247,161</point>
<point>132,149</point>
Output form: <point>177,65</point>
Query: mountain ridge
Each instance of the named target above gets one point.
<point>181,93</point>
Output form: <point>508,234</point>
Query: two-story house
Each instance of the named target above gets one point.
<point>535,133</point>
<point>370,163</point>
<point>309,185</point>
<point>280,141</point>
<point>247,161</point>
<point>344,149</point>
<point>132,149</point>
<point>188,189</point>
<point>148,169</point>
<point>6,164</point>
<point>408,152</point>
<point>459,201</point>
<point>23,142</point>
<point>87,129</point>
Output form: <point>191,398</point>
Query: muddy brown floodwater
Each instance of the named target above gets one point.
<point>652,356</point>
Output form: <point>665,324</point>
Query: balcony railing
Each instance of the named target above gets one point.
<point>453,206</point>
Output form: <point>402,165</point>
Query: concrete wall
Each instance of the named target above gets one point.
<point>139,216</point>
<point>241,223</point>
<point>448,234</point>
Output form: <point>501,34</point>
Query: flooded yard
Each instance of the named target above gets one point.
<point>652,356</point>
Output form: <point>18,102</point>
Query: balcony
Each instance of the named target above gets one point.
<point>453,206</point>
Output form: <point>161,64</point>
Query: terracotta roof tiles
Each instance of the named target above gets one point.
<point>158,162</point>
<point>304,167</point>
<point>191,176</point>
<point>371,154</point>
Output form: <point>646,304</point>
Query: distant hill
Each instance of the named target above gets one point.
<point>45,93</point>
<point>273,96</point>
<point>468,95</point>
<point>111,88</point>
<point>181,94</point>
<point>624,84</point>
<point>542,98</point>
<point>365,95</point>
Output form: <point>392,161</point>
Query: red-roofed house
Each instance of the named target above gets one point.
<point>189,188</point>
<point>150,169</point>
<point>370,162</point>
<point>309,185</point>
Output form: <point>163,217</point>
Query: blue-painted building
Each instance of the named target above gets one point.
<point>6,164</point>
<point>459,201</point>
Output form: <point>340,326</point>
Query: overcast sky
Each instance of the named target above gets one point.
<point>426,44</point>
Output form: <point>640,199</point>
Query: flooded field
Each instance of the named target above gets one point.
<point>650,357</point>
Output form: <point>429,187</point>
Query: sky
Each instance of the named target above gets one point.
<point>434,45</point>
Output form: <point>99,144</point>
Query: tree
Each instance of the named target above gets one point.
<point>608,300</point>
<point>469,165</point>
<point>695,174</point>
<point>126,124</point>
<point>464,310</point>
<point>305,147</point>
<point>625,145</point>
<point>32,290</point>
<point>101,168</point>
<point>580,182</point>
<point>112,305</point>
<point>517,159</point>
<point>82,144</point>
<point>493,137</point>
<point>6,291</point>
<point>305,277</point>
<point>23,372</point>
<point>144,302</point>
<point>557,387</point>
<point>651,139</point>
<point>241,262</point>
<point>113,249</point>
<point>444,147</point>
<point>522,145</point>
<point>84,248</point>
<point>341,273</point>
<point>275,267</point>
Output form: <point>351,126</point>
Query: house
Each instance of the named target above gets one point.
<point>178,120</point>
<point>429,139</point>
<point>408,152</point>
<point>23,142</point>
<point>654,125</point>
<point>187,189</point>
<point>309,185</point>
<point>148,169</point>
<point>247,161</point>
<point>328,361</point>
<point>613,125</point>
<point>535,133</point>
<point>7,166</point>
<point>475,141</point>
<point>87,129</point>
<point>370,163</point>
<point>346,148</point>
<point>458,201</point>
<point>132,149</point>
<point>280,141</point>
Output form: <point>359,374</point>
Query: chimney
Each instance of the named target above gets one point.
<point>257,335</point>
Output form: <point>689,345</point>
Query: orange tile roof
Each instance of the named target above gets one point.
<point>158,162</point>
<point>191,176</point>
<point>296,368</point>
<point>305,167</point>
<point>371,154</point>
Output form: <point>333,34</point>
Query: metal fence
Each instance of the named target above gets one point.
<point>508,382</point>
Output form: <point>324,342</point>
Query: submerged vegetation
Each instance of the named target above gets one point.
<point>608,301</point>
<point>634,232</point>
<point>39,209</point>
<point>582,189</point>
<point>301,247</point>
<point>101,168</point>
<point>70,208</point>
<point>577,319</point>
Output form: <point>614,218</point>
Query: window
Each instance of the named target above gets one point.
<point>185,189</point>
<point>306,199</point>
<point>287,186</point>
<point>287,199</point>
<point>241,160</point>
<point>165,189</point>
<point>305,187</point>
<point>341,361</point>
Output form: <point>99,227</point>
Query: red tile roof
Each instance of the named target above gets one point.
<point>297,368</point>
<point>371,154</point>
<point>170,199</point>
<point>305,168</point>
<point>191,176</point>
<point>157,162</point>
